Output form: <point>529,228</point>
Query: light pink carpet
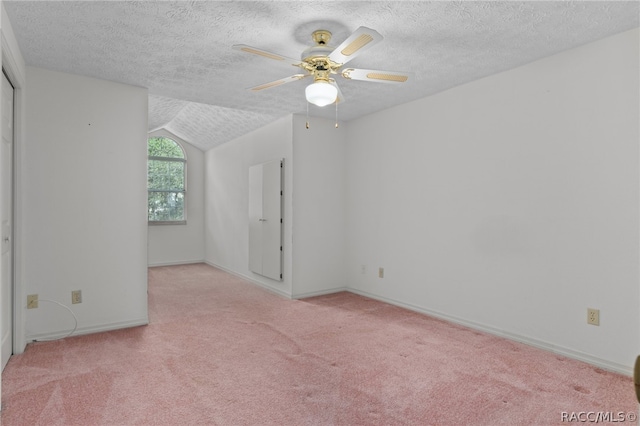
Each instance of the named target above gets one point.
<point>221,351</point>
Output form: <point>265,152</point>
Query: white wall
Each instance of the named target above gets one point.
<point>318,207</point>
<point>85,224</point>
<point>227,197</point>
<point>176,244</point>
<point>510,203</point>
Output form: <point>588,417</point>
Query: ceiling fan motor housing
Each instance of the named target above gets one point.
<point>318,51</point>
<point>316,58</point>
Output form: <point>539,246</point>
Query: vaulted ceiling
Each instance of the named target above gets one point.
<point>182,51</point>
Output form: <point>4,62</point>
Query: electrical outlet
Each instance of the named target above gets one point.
<point>32,301</point>
<point>593,316</point>
<point>76,296</point>
<point>381,272</point>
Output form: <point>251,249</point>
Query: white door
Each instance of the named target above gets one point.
<point>265,219</point>
<point>272,224</point>
<point>6,221</point>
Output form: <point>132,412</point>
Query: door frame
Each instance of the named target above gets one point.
<point>11,212</point>
<point>14,68</point>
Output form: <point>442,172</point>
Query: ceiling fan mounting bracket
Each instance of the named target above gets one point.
<point>321,37</point>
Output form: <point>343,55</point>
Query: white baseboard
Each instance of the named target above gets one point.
<point>275,290</point>
<point>550,347</point>
<point>540,344</point>
<point>319,293</point>
<point>182,262</point>
<point>87,330</point>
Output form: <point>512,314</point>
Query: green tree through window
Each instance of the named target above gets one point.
<point>166,181</point>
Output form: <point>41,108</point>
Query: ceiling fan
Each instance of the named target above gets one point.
<point>322,62</point>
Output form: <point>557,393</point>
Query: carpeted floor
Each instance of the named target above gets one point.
<point>220,351</point>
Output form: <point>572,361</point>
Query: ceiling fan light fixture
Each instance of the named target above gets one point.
<point>321,93</point>
<point>322,62</point>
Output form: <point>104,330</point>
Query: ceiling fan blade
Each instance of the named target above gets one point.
<point>340,97</point>
<point>280,82</point>
<point>376,75</point>
<point>361,39</point>
<point>266,54</point>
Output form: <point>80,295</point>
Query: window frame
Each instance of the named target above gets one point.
<point>183,160</point>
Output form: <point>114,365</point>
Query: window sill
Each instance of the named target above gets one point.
<point>167,222</point>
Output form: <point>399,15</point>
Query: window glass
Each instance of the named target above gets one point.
<point>166,181</point>
<point>164,147</point>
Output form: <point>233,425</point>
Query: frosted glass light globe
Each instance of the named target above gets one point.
<point>321,93</point>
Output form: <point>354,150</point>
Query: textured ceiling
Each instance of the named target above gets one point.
<point>181,51</point>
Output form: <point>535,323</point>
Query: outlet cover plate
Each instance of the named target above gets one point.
<point>32,301</point>
<point>593,316</point>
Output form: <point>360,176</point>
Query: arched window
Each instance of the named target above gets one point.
<point>166,181</point>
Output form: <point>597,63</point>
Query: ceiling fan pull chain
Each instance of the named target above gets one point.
<point>336,113</point>
<point>307,124</point>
